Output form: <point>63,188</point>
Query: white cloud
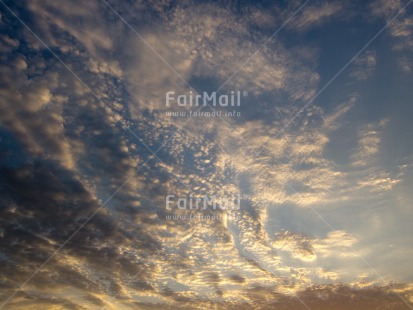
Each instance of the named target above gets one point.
<point>316,15</point>
<point>368,144</point>
<point>364,65</point>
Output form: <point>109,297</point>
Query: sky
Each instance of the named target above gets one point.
<point>302,168</point>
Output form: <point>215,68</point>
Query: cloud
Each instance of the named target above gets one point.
<point>31,110</point>
<point>364,66</point>
<point>300,246</point>
<point>401,28</point>
<point>335,242</point>
<point>315,15</point>
<point>368,144</point>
